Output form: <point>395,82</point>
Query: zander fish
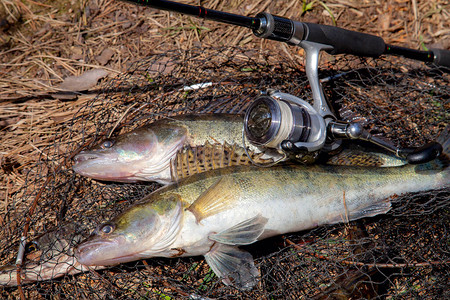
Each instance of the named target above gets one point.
<point>168,150</point>
<point>213,213</point>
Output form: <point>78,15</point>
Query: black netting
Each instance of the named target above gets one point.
<point>402,255</point>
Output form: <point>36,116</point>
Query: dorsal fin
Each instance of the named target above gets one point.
<point>199,159</point>
<point>360,158</point>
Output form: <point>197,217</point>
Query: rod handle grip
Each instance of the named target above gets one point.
<point>345,41</point>
<point>441,57</point>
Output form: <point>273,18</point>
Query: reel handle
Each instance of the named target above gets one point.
<point>420,155</point>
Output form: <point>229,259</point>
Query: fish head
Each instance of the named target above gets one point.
<point>143,154</point>
<point>145,230</point>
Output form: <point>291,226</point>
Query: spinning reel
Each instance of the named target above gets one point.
<point>293,127</point>
<point>298,130</point>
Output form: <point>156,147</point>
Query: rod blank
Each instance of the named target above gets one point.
<point>201,12</point>
<point>278,28</point>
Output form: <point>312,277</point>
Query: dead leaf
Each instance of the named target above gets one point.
<point>77,53</point>
<point>79,83</point>
<point>83,82</point>
<point>8,121</point>
<point>163,66</point>
<point>105,56</point>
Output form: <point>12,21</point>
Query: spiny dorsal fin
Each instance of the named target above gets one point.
<point>199,159</point>
<point>217,198</point>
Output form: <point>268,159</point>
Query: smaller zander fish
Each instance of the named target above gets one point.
<point>47,257</point>
<point>168,150</point>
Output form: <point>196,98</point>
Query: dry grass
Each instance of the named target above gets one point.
<point>41,43</point>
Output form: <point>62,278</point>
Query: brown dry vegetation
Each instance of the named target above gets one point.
<point>43,42</point>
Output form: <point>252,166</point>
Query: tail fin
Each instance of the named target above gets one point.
<point>444,140</point>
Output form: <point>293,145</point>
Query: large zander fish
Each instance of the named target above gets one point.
<point>213,213</point>
<point>170,149</point>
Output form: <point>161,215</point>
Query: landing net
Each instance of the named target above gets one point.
<point>404,254</point>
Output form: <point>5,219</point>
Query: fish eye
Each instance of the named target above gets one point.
<point>107,144</point>
<point>106,228</point>
<point>31,247</point>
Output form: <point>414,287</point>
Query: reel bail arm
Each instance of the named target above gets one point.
<point>312,66</point>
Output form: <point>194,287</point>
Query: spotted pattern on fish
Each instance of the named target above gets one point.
<point>195,160</point>
<point>360,158</point>
<point>356,160</point>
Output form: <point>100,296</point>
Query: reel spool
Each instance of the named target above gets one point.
<point>286,123</point>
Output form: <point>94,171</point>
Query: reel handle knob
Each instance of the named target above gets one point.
<point>422,154</point>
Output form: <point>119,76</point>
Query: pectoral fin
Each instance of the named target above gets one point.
<point>235,266</point>
<point>244,233</point>
<point>218,197</point>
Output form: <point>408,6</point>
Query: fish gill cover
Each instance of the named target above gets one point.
<point>403,254</point>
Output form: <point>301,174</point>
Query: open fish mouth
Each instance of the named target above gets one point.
<point>95,253</point>
<point>88,246</point>
<point>92,251</point>
<point>85,156</point>
<point>102,166</point>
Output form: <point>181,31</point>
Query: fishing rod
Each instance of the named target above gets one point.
<point>342,41</point>
<point>290,124</point>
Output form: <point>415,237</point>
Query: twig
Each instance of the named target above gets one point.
<point>121,118</point>
<point>345,207</point>
<point>38,3</point>
<point>416,17</point>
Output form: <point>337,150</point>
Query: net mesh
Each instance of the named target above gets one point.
<point>403,254</point>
